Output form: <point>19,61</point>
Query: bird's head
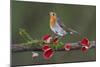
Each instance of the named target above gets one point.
<point>52,14</point>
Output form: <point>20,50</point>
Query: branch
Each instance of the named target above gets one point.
<point>32,44</point>
<point>28,47</point>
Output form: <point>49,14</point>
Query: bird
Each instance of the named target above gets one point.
<point>57,26</point>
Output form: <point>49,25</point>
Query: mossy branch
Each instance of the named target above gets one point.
<point>26,47</point>
<point>31,44</point>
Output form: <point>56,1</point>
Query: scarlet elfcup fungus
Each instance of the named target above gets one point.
<point>47,38</point>
<point>67,46</point>
<point>85,44</point>
<point>84,49</point>
<point>48,53</point>
<point>45,47</point>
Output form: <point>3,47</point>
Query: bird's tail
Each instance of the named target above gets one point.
<point>72,32</point>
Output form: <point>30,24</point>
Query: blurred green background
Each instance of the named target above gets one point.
<point>34,18</point>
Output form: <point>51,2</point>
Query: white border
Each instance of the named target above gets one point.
<point>82,2</point>
<point>5,33</point>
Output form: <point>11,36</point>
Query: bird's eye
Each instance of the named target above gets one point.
<point>53,14</point>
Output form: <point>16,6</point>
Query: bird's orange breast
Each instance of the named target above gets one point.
<point>52,21</point>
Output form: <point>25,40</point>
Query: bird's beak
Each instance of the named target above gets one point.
<point>49,13</point>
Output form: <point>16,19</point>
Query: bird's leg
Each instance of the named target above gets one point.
<point>53,37</point>
<point>62,37</point>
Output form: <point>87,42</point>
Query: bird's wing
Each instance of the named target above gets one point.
<point>65,27</point>
<point>60,22</point>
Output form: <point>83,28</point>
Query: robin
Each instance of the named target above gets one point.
<point>58,27</point>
